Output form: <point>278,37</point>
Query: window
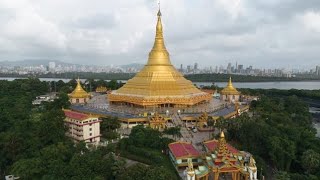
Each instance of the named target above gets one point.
<point>77,100</point>
<point>90,134</point>
<point>90,129</point>
<point>90,124</point>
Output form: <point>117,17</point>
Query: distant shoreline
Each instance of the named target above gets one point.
<point>214,78</point>
<point>81,78</point>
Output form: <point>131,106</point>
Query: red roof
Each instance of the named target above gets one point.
<point>75,115</point>
<point>232,149</point>
<point>213,144</point>
<point>183,149</point>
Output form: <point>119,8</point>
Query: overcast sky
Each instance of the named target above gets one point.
<point>262,33</point>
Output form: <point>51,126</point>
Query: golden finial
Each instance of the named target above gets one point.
<point>222,134</point>
<point>159,54</point>
<point>230,81</point>
<point>229,89</point>
<point>159,11</point>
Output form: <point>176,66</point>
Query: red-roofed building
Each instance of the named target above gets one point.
<point>82,127</point>
<point>181,151</point>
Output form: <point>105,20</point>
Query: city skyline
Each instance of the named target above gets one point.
<point>58,67</point>
<point>268,34</point>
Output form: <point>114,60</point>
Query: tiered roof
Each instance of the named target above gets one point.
<point>222,155</point>
<point>79,92</point>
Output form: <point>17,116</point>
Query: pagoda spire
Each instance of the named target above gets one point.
<point>222,149</point>
<point>230,82</point>
<point>159,54</point>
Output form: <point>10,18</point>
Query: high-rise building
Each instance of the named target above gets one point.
<point>318,70</point>
<point>52,66</point>
<point>188,68</point>
<point>195,66</point>
<point>229,68</point>
<point>240,67</point>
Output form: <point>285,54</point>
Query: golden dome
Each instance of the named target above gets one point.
<point>79,92</point>
<point>159,82</point>
<point>230,90</point>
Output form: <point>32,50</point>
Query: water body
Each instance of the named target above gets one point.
<point>309,85</point>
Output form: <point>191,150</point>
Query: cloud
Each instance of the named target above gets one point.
<point>262,33</point>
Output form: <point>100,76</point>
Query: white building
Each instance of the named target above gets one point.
<point>82,127</point>
<point>52,66</point>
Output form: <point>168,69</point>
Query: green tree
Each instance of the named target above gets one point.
<point>134,172</point>
<point>174,131</point>
<point>109,124</point>
<point>28,168</point>
<point>282,175</point>
<point>310,161</point>
<point>159,173</point>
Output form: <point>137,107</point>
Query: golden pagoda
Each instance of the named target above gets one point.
<point>230,93</point>
<point>158,83</point>
<point>101,89</point>
<point>79,95</point>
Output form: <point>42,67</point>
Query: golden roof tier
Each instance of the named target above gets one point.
<point>79,92</point>
<point>159,82</point>
<point>230,90</point>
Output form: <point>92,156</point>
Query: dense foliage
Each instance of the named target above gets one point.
<point>108,128</point>
<point>148,146</point>
<point>279,133</point>
<point>33,144</point>
<point>240,78</point>
<point>304,94</point>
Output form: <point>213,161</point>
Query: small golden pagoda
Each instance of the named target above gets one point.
<point>101,89</point>
<point>230,93</point>
<point>79,95</point>
<point>158,83</point>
